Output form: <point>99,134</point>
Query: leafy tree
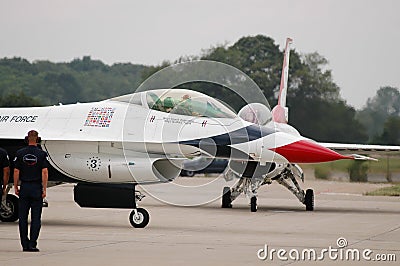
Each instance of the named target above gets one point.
<point>310,80</point>
<point>87,64</point>
<point>326,121</point>
<point>313,97</point>
<point>385,104</point>
<point>81,80</point>
<point>258,57</point>
<point>391,132</point>
<point>154,69</point>
<point>19,100</point>
<point>358,171</point>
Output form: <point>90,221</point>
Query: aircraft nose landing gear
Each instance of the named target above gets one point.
<point>284,174</point>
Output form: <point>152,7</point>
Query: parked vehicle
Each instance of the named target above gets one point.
<point>203,165</point>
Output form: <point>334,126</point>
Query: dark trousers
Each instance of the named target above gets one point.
<point>30,198</point>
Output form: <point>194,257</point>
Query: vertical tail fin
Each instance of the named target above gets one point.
<point>280,113</point>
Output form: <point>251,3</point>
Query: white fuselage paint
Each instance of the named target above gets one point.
<point>118,142</point>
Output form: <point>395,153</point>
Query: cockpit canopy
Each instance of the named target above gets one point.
<point>179,101</point>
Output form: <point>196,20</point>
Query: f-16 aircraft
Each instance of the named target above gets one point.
<point>109,147</point>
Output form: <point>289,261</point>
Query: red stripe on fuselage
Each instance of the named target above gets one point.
<point>304,151</point>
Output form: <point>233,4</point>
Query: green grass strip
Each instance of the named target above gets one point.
<point>386,191</point>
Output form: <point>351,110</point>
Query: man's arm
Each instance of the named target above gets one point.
<point>16,180</point>
<point>6,177</point>
<point>45,178</point>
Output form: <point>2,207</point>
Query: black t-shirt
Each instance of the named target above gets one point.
<point>30,161</point>
<point>4,162</point>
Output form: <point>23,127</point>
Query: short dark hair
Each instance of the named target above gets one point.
<point>33,135</point>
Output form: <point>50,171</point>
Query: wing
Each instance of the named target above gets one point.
<point>364,149</point>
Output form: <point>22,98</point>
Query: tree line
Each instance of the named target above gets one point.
<point>81,80</point>
<point>316,108</point>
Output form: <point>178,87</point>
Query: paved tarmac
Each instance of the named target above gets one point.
<point>209,235</point>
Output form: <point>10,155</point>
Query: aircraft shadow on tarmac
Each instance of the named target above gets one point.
<point>297,209</point>
<point>328,210</point>
<point>242,209</point>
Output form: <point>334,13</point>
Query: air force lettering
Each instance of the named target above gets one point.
<point>18,118</point>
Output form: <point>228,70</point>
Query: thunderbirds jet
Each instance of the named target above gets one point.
<point>107,148</point>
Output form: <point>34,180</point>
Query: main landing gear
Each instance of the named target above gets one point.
<point>284,174</point>
<point>9,212</point>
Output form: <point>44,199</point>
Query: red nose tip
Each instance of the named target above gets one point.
<point>304,151</point>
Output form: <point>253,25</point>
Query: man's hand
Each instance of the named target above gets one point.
<point>44,193</point>
<point>16,181</point>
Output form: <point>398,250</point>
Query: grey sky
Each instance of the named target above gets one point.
<point>360,38</point>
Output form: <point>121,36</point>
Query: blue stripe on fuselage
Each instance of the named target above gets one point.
<point>223,141</point>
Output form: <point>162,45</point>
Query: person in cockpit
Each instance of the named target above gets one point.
<point>185,106</point>
<point>168,104</point>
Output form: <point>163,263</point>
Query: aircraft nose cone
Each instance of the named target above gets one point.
<point>304,151</point>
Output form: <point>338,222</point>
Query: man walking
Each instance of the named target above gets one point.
<point>31,169</point>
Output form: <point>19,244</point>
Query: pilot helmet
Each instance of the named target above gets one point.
<point>168,102</point>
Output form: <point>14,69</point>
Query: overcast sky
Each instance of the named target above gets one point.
<point>360,38</point>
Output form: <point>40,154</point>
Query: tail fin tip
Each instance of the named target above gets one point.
<point>281,112</point>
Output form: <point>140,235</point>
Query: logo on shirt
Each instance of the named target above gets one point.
<point>30,159</point>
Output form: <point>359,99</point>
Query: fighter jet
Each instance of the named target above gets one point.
<point>109,147</point>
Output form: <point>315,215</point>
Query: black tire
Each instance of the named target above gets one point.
<point>253,204</point>
<point>12,203</point>
<point>226,198</point>
<point>189,173</point>
<point>309,200</point>
<point>142,220</point>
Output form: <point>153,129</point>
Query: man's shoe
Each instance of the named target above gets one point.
<point>30,250</point>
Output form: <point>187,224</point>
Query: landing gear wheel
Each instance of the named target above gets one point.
<point>309,200</point>
<point>12,203</point>
<point>226,198</point>
<point>253,204</point>
<point>141,219</point>
<point>190,173</point>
